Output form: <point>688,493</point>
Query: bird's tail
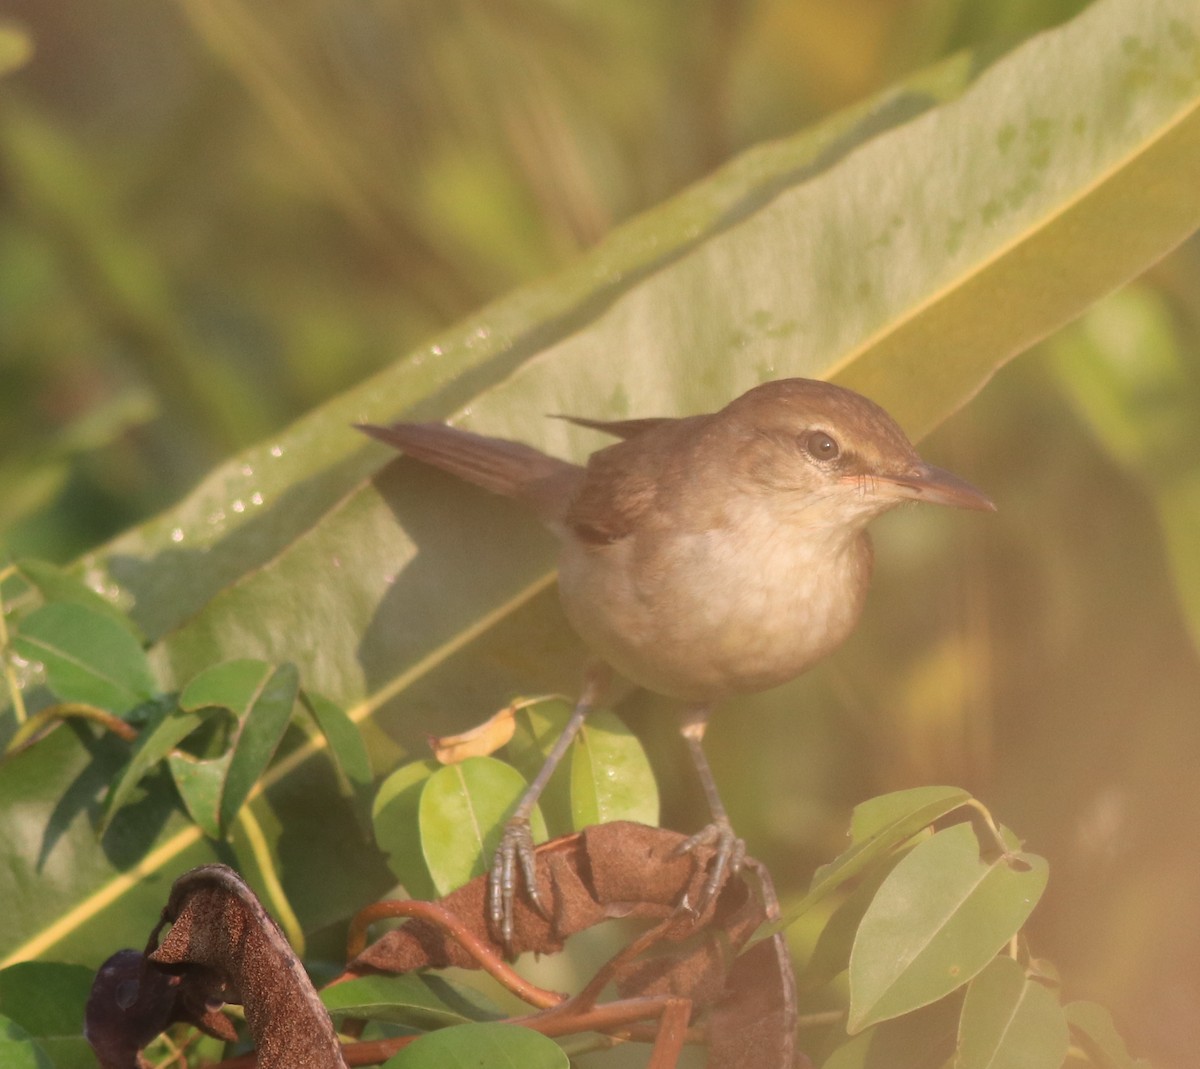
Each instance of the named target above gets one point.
<point>501,466</point>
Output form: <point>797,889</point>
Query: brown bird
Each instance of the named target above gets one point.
<point>702,557</point>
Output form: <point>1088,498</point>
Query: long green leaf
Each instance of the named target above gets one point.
<point>940,916</point>
<point>1010,1022</point>
<point>57,584</point>
<point>907,259</point>
<point>415,1001</point>
<point>88,657</point>
<point>877,826</point>
<point>346,746</point>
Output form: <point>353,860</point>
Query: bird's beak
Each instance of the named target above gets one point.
<point>936,486</point>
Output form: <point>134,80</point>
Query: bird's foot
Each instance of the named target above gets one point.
<point>514,855</point>
<point>730,852</point>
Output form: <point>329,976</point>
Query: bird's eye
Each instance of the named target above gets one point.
<point>820,446</point>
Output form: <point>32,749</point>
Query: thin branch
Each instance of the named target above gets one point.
<point>70,711</point>
<point>489,960</point>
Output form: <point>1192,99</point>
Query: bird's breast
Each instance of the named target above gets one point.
<point>702,615</point>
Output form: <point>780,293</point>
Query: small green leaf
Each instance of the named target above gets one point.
<point>87,655</point>
<point>228,685</point>
<point>55,584</point>
<point>259,732</point>
<point>941,915</point>
<point>423,1002</point>
<point>345,740</point>
<point>1093,1028</point>
<point>1010,1022</point>
<point>611,778</point>
<point>164,729</point>
<point>261,699</point>
<point>461,815</point>
<point>498,1046</point>
<point>201,785</point>
<point>397,830</point>
<point>877,826</point>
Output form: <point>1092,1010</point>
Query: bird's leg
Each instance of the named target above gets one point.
<point>731,851</point>
<point>516,844</point>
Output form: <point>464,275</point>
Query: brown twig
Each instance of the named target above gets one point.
<point>70,711</point>
<point>587,997</point>
<point>488,958</point>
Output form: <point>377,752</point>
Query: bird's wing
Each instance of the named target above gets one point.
<point>619,492</point>
<point>610,500</point>
<point>509,468</point>
<point>618,428</point>
<point>615,492</point>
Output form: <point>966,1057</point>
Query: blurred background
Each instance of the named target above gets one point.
<point>216,214</point>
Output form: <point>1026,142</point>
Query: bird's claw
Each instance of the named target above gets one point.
<point>726,862</point>
<point>514,853</point>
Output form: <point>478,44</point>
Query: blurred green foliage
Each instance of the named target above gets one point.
<point>214,215</point>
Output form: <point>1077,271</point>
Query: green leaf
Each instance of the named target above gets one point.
<point>55,584</point>
<point>831,954</point>
<point>920,1040</point>
<point>201,785</point>
<point>1093,1029</point>
<point>88,656</point>
<point>462,812</point>
<point>498,1046</point>
<point>1010,1022</point>
<point>611,778</point>
<point>229,685</point>
<point>397,828</point>
<point>345,741</point>
<point>907,248</point>
<point>165,727</point>
<point>606,776</point>
<point>261,699</point>
<point>19,1050</point>
<point>423,1002</point>
<point>941,915</point>
<point>47,1000</point>
<point>887,816</point>
<point>877,826</point>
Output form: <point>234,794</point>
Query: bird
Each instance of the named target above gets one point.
<point>701,557</point>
